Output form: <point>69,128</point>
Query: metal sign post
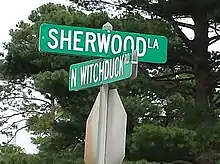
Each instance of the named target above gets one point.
<point>103,115</point>
<point>102,125</point>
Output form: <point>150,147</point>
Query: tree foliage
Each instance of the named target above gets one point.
<point>172,108</point>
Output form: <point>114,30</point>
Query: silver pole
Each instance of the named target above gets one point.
<point>134,64</point>
<point>103,115</point>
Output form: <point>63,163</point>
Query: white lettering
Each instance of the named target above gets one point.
<point>112,66</point>
<point>101,70</point>
<point>148,41</point>
<point>113,44</point>
<point>73,77</point>
<point>95,79</point>
<point>106,73</point>
<point>76,40</point>
<point>121,71</point>
<point>65,39</point>
<point>103,42</point>
<point>90,73</point>
<point>90,41</point>
<point>83,71</point>
<point>55,45</point>
<point>156,45</point>
<point>144,46</point>
<point>116,71</point>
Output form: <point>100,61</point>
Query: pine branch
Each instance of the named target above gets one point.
<point>28,98</point>
<point>215,63</point>
<point>167,16</point>
<point>17,132</point>
<point>180,33</point>
<point>185,25</point>
<point>177,79</point>
<point>181,162</point>
<point>172,74</point>
<point>24,85</point>
<point>215,28</point>
<point>89,2</point>
<point>15,122</point>
<point>216,102</point>
<point>20,113</point>
<point>213,39</point>
<point>12,115</point>
<point>186,91</point>
<point>216,78</point>
<point>166,116</point>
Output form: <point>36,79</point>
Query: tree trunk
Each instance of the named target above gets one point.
<point>201,66</point>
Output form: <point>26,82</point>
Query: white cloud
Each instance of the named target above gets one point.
<point>12,11</point>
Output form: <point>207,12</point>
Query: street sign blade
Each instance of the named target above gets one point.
<point>100,71</point>
<point>81,41</point>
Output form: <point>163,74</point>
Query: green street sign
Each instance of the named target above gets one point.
<point>100,71</point>
<point>82,41</point>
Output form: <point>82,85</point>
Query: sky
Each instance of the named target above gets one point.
<point>11,12</point>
